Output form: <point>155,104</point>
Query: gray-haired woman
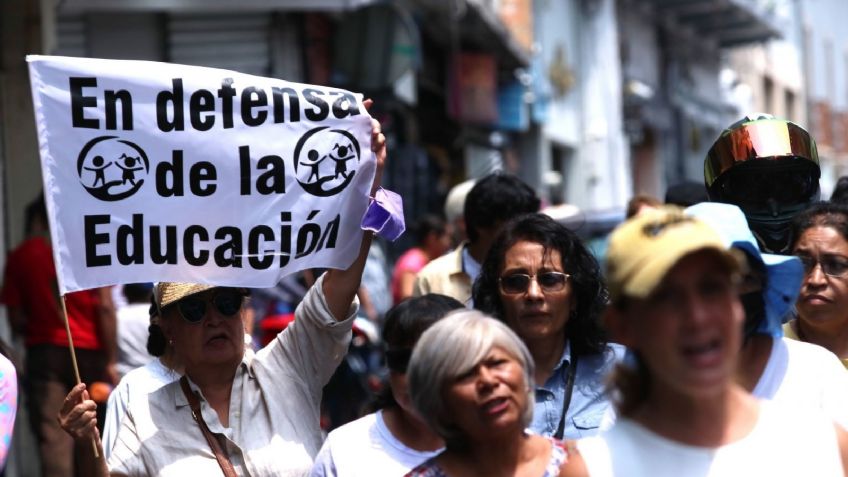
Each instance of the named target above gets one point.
<point>471,379</point>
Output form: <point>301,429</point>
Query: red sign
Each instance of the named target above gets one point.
<point>473,89</point>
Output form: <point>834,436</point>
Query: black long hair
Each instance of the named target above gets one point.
<point>583,329</point>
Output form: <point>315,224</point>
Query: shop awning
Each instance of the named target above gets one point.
<point>209,6</point>
<point>730,22</point>
<point>475,26</point>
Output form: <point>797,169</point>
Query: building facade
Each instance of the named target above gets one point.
<point>673,54</point>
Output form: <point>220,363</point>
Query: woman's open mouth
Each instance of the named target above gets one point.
<point>495,406</point>
<point>704,354</point>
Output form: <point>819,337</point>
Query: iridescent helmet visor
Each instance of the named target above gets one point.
<point>765,139</point>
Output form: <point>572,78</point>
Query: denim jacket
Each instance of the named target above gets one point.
<point>588,412</point>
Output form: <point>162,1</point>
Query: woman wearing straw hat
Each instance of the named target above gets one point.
<point>234,411</point>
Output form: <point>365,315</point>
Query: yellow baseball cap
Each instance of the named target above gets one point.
<point>643,249</point>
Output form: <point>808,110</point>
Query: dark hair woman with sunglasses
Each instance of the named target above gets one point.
<point>234,411</point>
<point>820,240</point>
<point>394,439</point>
<point>540,280</point>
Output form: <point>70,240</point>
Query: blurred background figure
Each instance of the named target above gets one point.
<point>375,298</point>
<point>454,207</point>
<point>639,203</point>
<point>820,240</point>
<point>799,375</point>
<point>840,191</point>
<point>686,193</point>
<point>675,305</point>
<point>768,167</point>
<point>394,439</point>
<point>492,201</point>
<point>471,379</point>
<point>541,281</point>
<point>432,240</point>
<point>133,321</point>
<point>274,307</point>
<point>30,293</point>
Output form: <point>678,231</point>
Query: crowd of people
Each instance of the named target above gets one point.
<point>712,341</point>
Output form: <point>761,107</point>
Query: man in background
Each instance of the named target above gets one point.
<point>494,199</point>
<point>454,206</point>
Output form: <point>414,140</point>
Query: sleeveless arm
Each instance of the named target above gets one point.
<point>842,440</point>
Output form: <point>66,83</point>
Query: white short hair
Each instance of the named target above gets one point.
<point>455,200</point>
<point>451,348</point>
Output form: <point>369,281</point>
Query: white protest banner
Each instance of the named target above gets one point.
<point>163,172</point>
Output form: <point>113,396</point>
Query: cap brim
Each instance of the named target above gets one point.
<point>649,277</point>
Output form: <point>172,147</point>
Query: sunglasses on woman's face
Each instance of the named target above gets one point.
<point>227,301</point>
<point>517,283</point>
<point>831,265</point>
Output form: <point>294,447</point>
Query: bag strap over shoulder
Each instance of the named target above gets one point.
<point>214,444</point>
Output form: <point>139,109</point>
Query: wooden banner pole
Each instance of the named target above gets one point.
<point>74,362</point>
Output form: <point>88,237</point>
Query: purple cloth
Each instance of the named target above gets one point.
<point>385,215</point>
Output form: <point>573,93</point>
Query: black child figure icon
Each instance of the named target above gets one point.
<point>98,169</point>
<point>129,168</point>
<point>341,160</point>
<point>314,163</point>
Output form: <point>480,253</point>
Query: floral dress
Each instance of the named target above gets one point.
<point>559,455</point>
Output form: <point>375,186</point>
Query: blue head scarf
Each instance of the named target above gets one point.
<point>784,273</point>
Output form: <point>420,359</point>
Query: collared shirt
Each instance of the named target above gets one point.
<point>274,408</point>
<point>445,275</point>
<point>136,384</point>
<point>588,413</point>
<point>470,266</point>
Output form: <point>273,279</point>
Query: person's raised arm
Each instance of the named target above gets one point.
<point>340,286</point>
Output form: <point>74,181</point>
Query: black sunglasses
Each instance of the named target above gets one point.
<point>517,283</point>
<point>226,300</point>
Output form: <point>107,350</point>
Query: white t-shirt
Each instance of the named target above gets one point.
<point>782,443</point>
<point>805,376</point>
<point>136,384</point>
<point>366,447</point>
<point>133,321</point>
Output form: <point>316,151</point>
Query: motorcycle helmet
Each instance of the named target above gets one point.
<point>769,168</point>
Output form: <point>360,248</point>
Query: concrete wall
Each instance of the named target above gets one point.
<point>582,154</point>
<point>20,160</point>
